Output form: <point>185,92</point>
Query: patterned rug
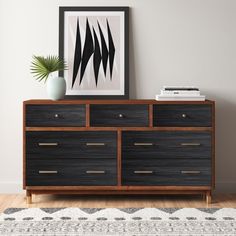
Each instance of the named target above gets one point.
<point>114,221</point>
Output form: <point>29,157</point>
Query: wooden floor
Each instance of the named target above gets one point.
<point>18,200</point>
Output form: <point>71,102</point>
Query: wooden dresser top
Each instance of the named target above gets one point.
<point>104,101</point>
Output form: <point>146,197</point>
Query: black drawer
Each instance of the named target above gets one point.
<point>171,172</point>
<point>55,115</point>
<point>182,115</point>
<point>119,115</point>
<point>166,144</point>
<point>71,144</point>
<point>71,172</point>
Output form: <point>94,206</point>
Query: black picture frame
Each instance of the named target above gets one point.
<point>125,10</point>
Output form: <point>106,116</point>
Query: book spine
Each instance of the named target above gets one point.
<point>187,93</point>
<point>184,88</point>
<point>180,98</point>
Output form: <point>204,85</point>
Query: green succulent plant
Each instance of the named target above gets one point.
<point>41,67</point>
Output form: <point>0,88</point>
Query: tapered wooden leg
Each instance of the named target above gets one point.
<point>208,197</point>
<point>28,197</point>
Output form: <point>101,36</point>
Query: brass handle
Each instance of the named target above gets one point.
<point>95,172</point>
<point>48,144</point>
<point>143,172</point>
<point>184,115</point>
<point>48,172</point>
<point>190,172</point>
<point>95,144</point>
<point>190,144</point>
<point>143,144</point>
<point>121,116</point>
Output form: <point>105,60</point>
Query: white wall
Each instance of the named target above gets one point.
<point>172,42</point>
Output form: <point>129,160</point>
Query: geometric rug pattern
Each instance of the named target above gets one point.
<point>118,221</point>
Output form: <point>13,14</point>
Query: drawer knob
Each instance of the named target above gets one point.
<point>56,115</point>
<point>48,172</point>
<point>121,116</point>
<point>190,172</point>
<point>143,172</point>
<point>95,172</point>
<point>184,115</point>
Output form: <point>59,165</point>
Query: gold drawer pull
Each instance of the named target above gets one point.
<point>143,172</point>
<point>95,144</point>
<point>190,172</point>
<point>190,144</point>
<point>48,144</point>
<point>143,144</point>
<point>95,172</point>
<point>48,172</point>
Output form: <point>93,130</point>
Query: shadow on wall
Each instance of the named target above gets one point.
<point>225,143</point>
<point>132,75</point>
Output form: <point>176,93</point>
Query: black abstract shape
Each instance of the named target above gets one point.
<point>77,54</point>
<point>97,57</point>
<point>91,210</point>
<point>104,50</point>
<point>88,50</point>
<point>51,210</point>
<point>111,49</point>
<point>9,211</point>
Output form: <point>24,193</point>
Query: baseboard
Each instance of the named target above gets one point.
<point>16,187</point>
<point>225,187</point>
<point>11,187</point>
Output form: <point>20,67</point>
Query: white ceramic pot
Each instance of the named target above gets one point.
<point>56,88</point>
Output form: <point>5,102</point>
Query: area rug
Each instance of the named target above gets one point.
<point>122,221</point>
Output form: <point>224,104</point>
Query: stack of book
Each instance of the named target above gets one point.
<point>180,93</point>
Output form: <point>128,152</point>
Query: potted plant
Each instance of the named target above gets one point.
<point>42,69</point>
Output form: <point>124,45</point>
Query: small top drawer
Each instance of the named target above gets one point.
<point>55,115</point>
<point>195,115</point>
<point>119,115</point>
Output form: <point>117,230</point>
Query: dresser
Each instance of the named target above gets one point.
<point>118,147</point>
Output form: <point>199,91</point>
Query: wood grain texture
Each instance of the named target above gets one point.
<point>133,201</point>
<point>119,157</point>
<point>87,115</point>
<point>165,172</point>
<point>166,144</point>
<point>182,115</point>
<point>150,117</point>
<point>71,172</point>
<point>55,115</point>
<point>119,115</point>
<point>24,147</point>
<point>120,192</point>
<point>130,101</point>
<point>89,144</point>
<point>198,131</point>
<point>213,147</point>
<point>119,188</point>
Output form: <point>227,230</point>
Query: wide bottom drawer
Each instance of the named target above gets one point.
<point>69,172</point>
<point>167,172</point>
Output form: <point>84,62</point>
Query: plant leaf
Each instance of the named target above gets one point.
<point>41,67</point>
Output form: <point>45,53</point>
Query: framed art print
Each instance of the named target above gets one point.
<point>94,43</point>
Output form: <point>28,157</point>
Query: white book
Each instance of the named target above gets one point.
<point>180,93</point>
<point>180,98</point>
